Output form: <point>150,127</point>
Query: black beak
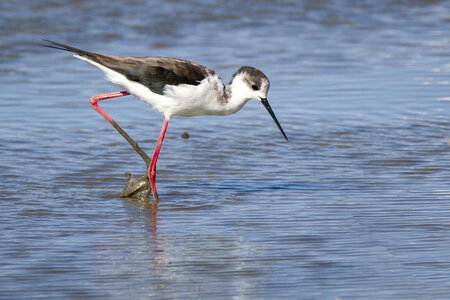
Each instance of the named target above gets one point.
<point>269,109</point>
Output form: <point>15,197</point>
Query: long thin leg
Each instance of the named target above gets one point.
<point>152,168</point>
<point>95,99</point>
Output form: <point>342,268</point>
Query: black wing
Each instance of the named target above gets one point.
<point>152,72</point>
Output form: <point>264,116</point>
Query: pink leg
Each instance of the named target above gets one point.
<point>95,99</point>
<point>152,168</point>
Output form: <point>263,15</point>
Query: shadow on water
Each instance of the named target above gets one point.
<point>248,187</point>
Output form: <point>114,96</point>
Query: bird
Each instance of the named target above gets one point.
<point>175,87</point>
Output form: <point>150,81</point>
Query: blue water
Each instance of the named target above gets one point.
<point>355,206</point>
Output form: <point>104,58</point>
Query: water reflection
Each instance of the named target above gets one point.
<point>148,205</point>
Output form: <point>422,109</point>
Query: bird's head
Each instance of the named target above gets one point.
<point>254,84</point>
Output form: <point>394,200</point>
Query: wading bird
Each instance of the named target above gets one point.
<point>175,87</point>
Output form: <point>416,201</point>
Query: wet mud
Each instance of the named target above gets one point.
<point>137,187</point>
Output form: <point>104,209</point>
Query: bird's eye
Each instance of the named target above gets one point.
<point>255,87</point>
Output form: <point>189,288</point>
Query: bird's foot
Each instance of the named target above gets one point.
<point>155,197</point>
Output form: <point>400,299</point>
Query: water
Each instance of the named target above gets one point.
<point>355,206</point>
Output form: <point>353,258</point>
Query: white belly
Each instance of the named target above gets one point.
<point>181,100</point>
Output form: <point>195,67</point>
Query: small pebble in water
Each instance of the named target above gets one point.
<point>185,135</point>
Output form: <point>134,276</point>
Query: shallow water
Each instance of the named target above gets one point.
<point>355,206</point>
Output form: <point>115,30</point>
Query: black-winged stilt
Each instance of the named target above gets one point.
<point>175,87</point>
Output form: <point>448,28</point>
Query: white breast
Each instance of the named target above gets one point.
<point>196,100</point>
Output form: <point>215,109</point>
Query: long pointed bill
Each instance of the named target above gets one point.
<point>269,109</point>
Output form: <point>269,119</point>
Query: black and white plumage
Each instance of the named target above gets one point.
<point>175,87</point>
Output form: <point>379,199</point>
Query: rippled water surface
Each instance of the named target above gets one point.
<point>355,206</point>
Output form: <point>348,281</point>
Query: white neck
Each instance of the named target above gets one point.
<point>236,96</point>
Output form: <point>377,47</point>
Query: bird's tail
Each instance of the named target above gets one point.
<point>90,55</point>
